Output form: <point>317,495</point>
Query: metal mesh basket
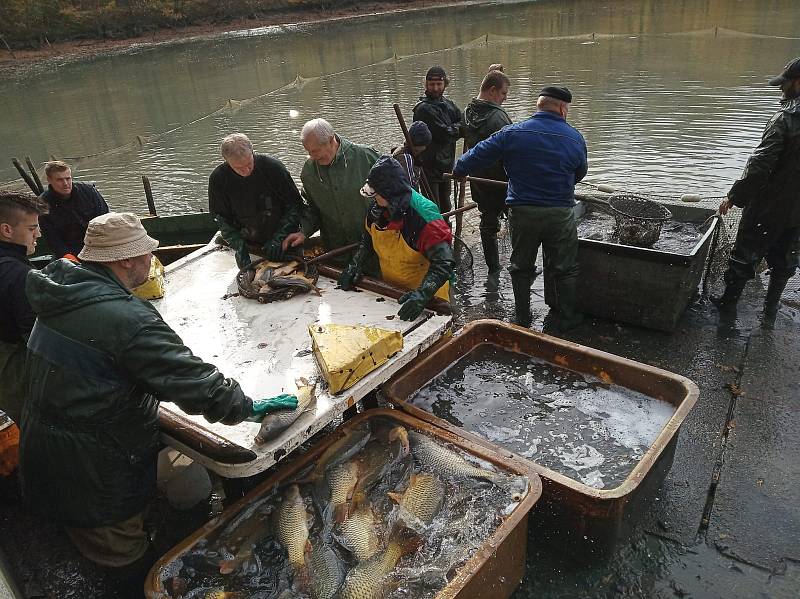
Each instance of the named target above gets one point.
<point>638,220</point>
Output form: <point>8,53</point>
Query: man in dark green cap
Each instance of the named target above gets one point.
<point>544,157</point>
<point>768,196</point>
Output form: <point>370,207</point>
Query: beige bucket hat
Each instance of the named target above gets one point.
<point>116,236</point>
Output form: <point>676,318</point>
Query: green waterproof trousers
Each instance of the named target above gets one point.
<point>554,229</point>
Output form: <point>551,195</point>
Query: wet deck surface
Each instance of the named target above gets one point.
<point>725,522</point>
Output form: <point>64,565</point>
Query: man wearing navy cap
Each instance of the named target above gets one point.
<point>544,157</point>
<point>444,120</point>
<point>768,195</point>
<point>420,137</point>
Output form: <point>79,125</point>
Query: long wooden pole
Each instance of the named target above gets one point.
<point>34,174</point>
<point>426,187</point>
<point>25,176</point>
<point>148,193</point>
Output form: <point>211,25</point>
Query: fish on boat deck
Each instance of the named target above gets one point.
<point>275,423</point>
<point>269,276</point>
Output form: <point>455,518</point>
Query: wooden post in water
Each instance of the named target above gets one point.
<point>148,192</point>
<point>25,176</point>
<point>34,174</point>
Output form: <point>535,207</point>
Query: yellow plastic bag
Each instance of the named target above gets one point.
<point>153,288</point>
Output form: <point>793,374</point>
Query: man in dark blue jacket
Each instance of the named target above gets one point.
<point>544,157</point>
<point>72,205</point>
<point>19,230</point>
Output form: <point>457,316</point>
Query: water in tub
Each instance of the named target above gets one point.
<point>395,517</point>
<point>574,424</point>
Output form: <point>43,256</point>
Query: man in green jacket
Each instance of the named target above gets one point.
<point>99,361</point>
<point>768,196</point>
<point>332,178</point>
<point>482,118</point>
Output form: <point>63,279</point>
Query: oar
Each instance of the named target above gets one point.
<point>35,175</point>
<point>25,176</point>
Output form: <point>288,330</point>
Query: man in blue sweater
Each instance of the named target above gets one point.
<point>544,157</point>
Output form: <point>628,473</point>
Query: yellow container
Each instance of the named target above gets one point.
<point>347,353</point>
<point>153,288</point>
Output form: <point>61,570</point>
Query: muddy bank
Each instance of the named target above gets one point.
<point>78,49</point>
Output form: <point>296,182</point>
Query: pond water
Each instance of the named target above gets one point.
<point>575,424</point>
<point>670,96</point>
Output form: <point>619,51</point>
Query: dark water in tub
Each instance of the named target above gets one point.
<point>575,424</point>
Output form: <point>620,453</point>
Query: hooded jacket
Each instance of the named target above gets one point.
<point>444,120</point>
<point>769,189</point>
<point>334,204</point>
<point>481,120</point>
<point>99,362</point>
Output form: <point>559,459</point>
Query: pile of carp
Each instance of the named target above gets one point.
<point>384,511</point>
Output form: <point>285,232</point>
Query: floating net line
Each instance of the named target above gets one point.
<point>232,106</point>
<point>469,221</point>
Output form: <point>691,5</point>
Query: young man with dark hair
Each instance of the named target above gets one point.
<point>19,230</point>
<point>71,206</point>
<point>483,117</point>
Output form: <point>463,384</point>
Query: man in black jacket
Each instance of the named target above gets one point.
<point>768,195</point>
<point>253,199</point>
<point>19,230</point>
<point>444,120</point>
<point>483,117</point>
<point>71,206</point>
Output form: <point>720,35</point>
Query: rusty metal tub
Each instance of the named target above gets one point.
<point>495,570</point>
<point>576,517</point>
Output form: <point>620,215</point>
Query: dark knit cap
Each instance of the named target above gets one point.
<point>557,92</point>
<point>388,178</point>
<point>790,71</point>
<point>435,73</point>
<point>420,134</point>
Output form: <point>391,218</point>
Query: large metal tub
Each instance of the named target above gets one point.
<point>642,286</point>
<point>577,517</point>
<point>495,570</point>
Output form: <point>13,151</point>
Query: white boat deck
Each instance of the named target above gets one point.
<point>267,347</point>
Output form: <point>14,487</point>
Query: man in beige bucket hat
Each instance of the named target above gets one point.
<point>100,360</point>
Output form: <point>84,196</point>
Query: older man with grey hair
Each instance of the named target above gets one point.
<point>253,199</point>
<point>332,178</point>
<point>99,361</point>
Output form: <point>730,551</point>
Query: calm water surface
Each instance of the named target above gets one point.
<point>673,101</point>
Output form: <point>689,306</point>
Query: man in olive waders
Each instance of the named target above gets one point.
<point>544,157</point>
<point>770,201</point>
